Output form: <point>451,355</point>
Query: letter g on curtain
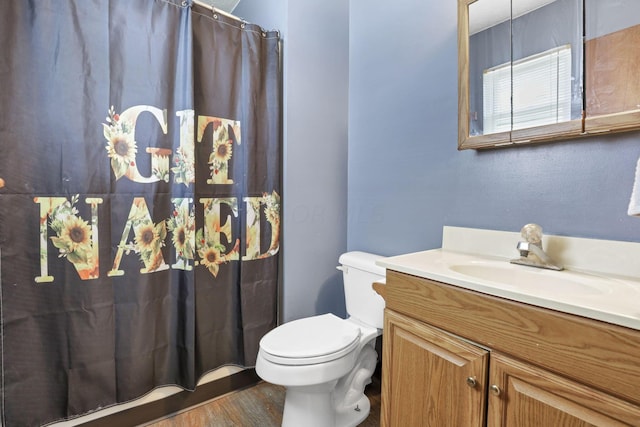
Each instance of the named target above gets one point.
<point>140,216</point>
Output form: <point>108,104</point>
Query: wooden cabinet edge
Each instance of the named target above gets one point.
<point>380,289</point>
<point>610,123</point>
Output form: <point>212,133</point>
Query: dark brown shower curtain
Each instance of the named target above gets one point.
<point>140,145</point>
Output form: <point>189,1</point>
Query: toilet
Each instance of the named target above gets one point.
<point>324,361</point>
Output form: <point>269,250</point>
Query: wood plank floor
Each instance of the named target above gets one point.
<point>257,406</point>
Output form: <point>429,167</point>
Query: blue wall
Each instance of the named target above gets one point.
<point>407,179</point>
<point>390,69</point>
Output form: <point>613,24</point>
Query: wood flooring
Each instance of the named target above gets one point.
<point>257,406</point>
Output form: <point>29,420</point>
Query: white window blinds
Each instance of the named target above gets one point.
<point>541,91</point>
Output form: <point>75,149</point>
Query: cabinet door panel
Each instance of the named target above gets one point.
<point>532,397</point>
<point>426,376</point>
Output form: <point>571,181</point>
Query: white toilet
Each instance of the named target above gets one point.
<point>325,361</point>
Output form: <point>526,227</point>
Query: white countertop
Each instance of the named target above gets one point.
<point>605,297</point>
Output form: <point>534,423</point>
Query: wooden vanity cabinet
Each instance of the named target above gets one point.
<point>454,357</point>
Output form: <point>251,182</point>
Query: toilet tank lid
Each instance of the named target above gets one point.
<point>363,261</point>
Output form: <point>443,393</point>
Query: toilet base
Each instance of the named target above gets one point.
<point>353,417</point>
<point>312,407</point>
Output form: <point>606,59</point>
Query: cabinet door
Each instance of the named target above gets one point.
<point>429,377</point>
<point>522,395</point>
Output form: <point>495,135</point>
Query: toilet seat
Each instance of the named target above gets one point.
<point>312,340</point>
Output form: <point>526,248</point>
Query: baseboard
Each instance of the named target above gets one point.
<point>178,402</point>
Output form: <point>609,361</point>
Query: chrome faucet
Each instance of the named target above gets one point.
<point>531,252</point>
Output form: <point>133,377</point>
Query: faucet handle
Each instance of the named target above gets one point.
<point>532,233</point>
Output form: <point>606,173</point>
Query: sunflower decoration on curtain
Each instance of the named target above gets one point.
<point>74,237</point>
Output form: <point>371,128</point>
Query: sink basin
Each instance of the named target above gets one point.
<point>543,281</point>
<point>597,295</point>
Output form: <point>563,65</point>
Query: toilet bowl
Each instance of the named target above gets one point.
<point>325,362</point>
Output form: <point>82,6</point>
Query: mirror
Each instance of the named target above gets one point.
<point>489,53</point>
<point>520,71</point>
<point>543,70</point>
<point>612,61</point>
<point>547,69</point>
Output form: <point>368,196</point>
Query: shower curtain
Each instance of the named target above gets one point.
<point>140,177</point>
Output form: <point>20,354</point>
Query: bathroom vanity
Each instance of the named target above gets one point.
<point>473,352</point>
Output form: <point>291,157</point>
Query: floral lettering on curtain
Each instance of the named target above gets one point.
<point>140,211</point>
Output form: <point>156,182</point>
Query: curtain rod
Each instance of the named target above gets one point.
<point>215,9</point>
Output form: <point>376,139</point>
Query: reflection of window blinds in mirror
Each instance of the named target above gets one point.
<point>541,91</point>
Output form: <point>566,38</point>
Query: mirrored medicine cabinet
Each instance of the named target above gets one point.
<point>543,70</point>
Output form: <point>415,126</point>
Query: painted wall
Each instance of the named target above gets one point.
<point>406,178</point>
<point>606,17</point>
<point>315,37</point>
<point>392,73</point>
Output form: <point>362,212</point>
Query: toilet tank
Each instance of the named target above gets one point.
<point>359,271</point>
